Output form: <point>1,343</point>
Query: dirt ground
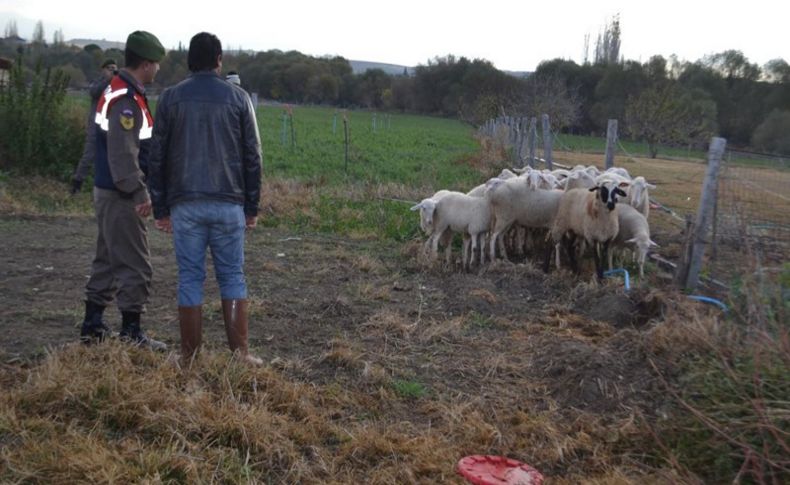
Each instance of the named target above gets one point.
<point>317,297</point>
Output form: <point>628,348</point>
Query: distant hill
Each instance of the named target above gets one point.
<point>358,67</point>
<point>104,44</point>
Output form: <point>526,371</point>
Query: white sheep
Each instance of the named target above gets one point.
<point>633,229</point>
<point>427,208</point>
<point>579,180</point>
<point>461,213</point>
<point>639,195</point>
<point>519,201</point>
<point>588,214</point>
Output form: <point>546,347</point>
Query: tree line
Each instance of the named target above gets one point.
<point>661,101</point>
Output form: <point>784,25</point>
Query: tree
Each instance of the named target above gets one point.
<point>665,113</point>
<point>11,29</point>
<point>732,64</point>
<point>777,71</point>
<point>607,48</point>
<point>38,33</point>
<point>548,94</point>
<point>57,37</point>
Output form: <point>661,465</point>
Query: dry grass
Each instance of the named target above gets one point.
<point>116,414</point>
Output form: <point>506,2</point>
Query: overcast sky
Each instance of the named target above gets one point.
<point>514,35</point>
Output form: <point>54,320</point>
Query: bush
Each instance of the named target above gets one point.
<point>42,131</point>
<point>771,135</point>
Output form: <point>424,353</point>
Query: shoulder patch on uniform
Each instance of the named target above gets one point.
<point>127,119</point>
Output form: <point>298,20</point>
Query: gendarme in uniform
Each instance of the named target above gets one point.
<point>121,269</point>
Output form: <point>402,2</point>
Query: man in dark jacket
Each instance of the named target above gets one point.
<point>205,183</point>
<point>108,69</point>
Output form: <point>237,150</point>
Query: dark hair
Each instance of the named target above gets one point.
<point>204,49</point>
<point>233,73</point>
<point>132,60</point>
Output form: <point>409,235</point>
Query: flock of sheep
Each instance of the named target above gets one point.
<point>574,209</point>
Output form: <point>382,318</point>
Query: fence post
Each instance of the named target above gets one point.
<point>611,141</point>
<point>697,241</point>
<point>531,137</point>
<point>334,123</point>
<point>345,140</point>
<point>374,122</point>
<point>547,142</point>
<point>283,133</point>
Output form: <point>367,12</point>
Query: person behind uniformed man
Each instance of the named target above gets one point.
<point>108,69</point>
<point>205,184</point>
<point>233,77</point>
<point>121,269</point>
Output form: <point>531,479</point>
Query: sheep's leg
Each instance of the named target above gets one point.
<point>611,258</point>
<point>547,258</point>
<point>557,249</point>
<point>447,241</point>
<point>570,248</point>
<point>601,258</point>
<point>474,250</point>
<point>465,256</point>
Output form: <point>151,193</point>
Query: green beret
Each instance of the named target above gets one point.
<point>145,45</point>
<point>107,62</point>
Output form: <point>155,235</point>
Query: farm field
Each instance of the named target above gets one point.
<point>379,369</point>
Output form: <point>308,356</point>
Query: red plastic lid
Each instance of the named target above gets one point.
<point>497,470</point>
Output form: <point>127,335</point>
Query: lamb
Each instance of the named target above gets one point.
<point>589,214</point>
<point>467,215</point>
<point>638,195</point>
<point>633,229</point>
<point>427,208</point>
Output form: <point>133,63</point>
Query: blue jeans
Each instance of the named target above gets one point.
<point>202,224</point>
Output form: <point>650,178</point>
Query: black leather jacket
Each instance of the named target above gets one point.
<point>205,145</point>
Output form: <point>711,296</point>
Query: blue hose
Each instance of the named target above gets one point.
<point>712,301</point>
<point>626,276</point>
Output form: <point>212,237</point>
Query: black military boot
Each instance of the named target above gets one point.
<point>93,327</point>
<point>131,332</point>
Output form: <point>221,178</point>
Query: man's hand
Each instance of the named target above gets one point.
<point>164,224</point>
<point>76,186</point>
<point>144,209</point>
<point>251,222</point>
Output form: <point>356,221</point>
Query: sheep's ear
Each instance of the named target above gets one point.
<point>416,207</point>
<point>651,186</point>
<point>631,241</point>
<point>593,189</point>
<point>619,192</point>
<point>653,244</point>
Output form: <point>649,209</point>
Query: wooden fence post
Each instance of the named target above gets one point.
<point>531,138</point>
<point>283,133</point>
<point>334,123</point>
<point>611,142</point>
<point>345,140</point>
<point>547,142</point>
<point>698,239</point>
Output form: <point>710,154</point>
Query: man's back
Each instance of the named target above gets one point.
<point>206,144</point>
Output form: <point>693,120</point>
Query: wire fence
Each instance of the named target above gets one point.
<point>752,212</point>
